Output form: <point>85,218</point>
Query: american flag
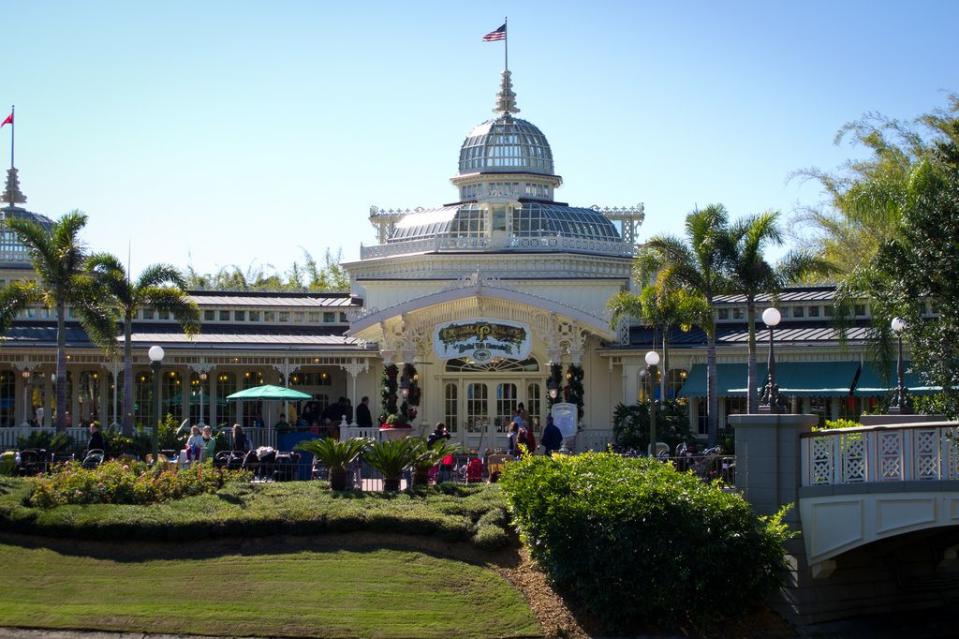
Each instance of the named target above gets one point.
<point>493,36</point>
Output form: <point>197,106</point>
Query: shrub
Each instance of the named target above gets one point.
<point>631,424</point>
<point>637,542</point>
<point>50,442</point>
<point>839,423</point>
<point>335,455</point>
<point>116,482</point>
<point>391,458</point>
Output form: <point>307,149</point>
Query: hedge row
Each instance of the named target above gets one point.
<point>452,513</point>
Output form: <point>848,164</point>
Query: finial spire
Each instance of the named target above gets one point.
<point>506,99</point>
<point>12,194</point>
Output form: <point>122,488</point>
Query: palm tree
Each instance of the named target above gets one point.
<point>336,456</point>
<point>751,274</point>
<point>696,263</point>
<point>15,297</point>
<point>57,256</point>
<point>662,307</point>
<point>159,286</point>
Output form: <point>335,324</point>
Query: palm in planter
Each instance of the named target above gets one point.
<point>335,455</point>
<point>426,457</point>
<point>391,458</point>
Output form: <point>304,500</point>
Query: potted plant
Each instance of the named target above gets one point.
<point>391,458</point>
<point>426,457</point>
<point>335,455</point>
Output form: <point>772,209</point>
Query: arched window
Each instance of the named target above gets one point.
<point>495,365</point>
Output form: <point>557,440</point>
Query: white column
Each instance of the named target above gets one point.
<point>185,379</point>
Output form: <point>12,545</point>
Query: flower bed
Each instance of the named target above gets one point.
<point>117,482</point>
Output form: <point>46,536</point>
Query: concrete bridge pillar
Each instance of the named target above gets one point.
<point>768,464</point>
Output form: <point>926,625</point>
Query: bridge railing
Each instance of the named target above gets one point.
<point>871,454</point>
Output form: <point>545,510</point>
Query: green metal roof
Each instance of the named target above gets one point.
<point>802,379</point>
<point>872,383</point>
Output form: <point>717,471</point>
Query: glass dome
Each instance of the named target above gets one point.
<point>506,145</point>
<point>531,220</point>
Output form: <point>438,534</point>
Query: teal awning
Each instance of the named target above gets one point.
<point>873,384</point>
<point>795,379</point>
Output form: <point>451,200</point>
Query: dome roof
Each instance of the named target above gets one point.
<point>506,145</point>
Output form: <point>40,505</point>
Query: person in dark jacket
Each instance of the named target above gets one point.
<point>96,438</point>
<point>437,435</point>
<point>552,437</point>
<point>363,417</point>
<point>240,443</point>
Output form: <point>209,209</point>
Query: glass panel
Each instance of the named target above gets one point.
<point>477,408</point>
<point>225,411</point>
<point>506,404</point>
<point>143,409</point>
<point>171,396</point>
<point>452,406</point>
<point>8,416</point>
<point>534,404</point>
<point>88,397</point>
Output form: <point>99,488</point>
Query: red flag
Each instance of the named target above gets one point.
<point>9,120</point>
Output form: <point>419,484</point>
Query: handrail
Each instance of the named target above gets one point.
<point>879,427</point>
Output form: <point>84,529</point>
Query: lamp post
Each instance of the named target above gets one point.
<point>552,387</point>
<point>900,402</point>
<point>652,359</point>
<point>26,375</point>
<point>203,378</point>
<point>771,401</point>
<point>156,360</point>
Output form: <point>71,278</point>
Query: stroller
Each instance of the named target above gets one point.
<point>93,459</point>
<point>284,467</point>
<point>33,461</point>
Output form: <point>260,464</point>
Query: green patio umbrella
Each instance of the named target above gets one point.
<point>269,392</point>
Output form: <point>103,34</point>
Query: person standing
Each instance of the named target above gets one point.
<point>552,437</point>
<point>363,417</point>
<point>437,435</point>
<point>240,444</point>
<point>96,439</point>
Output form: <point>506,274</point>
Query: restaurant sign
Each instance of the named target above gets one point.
<point>481,340</point>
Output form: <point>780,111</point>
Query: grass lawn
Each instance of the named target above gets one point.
<point>336,593</point>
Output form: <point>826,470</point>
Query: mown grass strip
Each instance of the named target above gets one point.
<point>340,593</point>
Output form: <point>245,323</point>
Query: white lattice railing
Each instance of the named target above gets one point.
<point>915,452</point>
<point>545,243</point>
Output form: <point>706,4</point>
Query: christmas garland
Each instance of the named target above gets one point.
<point>410,405</point>
<point>573,391</point>
<point>555,380</point>
<point>388,393</point>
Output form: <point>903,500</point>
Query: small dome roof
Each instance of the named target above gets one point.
<point>506,145</point>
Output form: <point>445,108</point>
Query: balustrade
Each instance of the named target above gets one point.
<point>917,452</point>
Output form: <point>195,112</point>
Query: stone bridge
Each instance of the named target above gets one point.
<point>877,507</point>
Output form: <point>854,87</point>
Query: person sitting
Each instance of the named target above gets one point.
<point>96,438</point>
<point>209,443</point>
<point>552,437</point>
<point>439,434</point>
<point>282,425</point>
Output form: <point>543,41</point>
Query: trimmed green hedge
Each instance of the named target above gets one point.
<point>473,514</point>
<point>640,544</point>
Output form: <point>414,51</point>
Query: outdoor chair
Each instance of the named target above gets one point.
<point>495,464</point>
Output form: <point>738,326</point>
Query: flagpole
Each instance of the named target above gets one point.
<point>506,41</point>
<point>13,128</point>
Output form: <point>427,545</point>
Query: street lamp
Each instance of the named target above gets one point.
<point>771,401</point>
<point>552,386</point>
<point>203,377</point>
<point>652,359</point>
<point>156,359</point>
<point>26,374</point>
<point>900,402</point>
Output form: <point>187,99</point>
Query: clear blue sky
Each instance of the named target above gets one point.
<point>233,132</point>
